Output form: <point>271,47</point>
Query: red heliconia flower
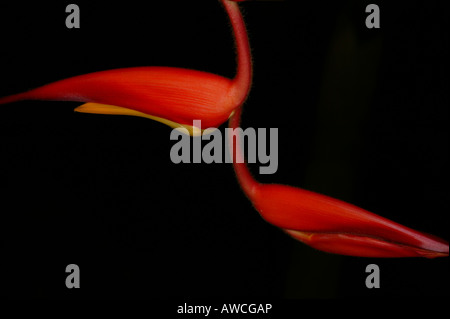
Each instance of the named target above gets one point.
<point>173,96</point>
<point>329,224</point>
<point>177,96</point>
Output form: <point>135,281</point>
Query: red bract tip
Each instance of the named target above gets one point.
<point>335,226</point>
<point>329,224</point>
<point>179,95</point>
<point>362,246</point>
<point>173,94</point>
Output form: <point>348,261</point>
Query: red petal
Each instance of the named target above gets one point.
<point>180,95</point>
<point>304,211</point>
<point>360,246</point>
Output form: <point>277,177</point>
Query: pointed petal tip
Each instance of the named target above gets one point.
<point>332,225</point>
<point>13,98</point>
<point>361,246</point>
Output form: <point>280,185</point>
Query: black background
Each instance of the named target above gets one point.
<point>362,116</point>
